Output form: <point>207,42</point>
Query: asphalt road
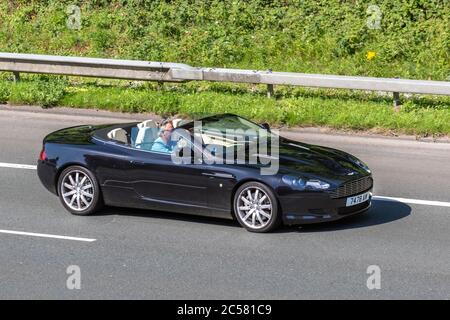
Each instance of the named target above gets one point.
<point>156,255</point>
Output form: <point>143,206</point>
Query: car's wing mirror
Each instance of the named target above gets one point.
<point>182,146</point>
<point>265,125</point>
<point>213,150</point>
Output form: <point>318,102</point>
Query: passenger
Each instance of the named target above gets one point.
<point>163,143</point>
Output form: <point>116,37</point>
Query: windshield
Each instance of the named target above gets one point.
<point>227,130</point>
<point>232,122</point>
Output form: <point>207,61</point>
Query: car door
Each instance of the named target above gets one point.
<point>164,184</point>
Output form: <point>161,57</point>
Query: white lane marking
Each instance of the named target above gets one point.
<point>43,235</point>
<point>405,200</point>
<point>414,201</point>
<point>17,166</point>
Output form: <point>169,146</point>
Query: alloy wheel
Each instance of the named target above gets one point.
<point>77,190</point>
<point>254,207</point>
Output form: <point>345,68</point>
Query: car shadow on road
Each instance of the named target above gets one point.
<point>381,212</point>
<point>154,214</point>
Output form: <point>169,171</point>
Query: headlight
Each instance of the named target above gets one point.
<point>360,164</point>
<point>305,184</point>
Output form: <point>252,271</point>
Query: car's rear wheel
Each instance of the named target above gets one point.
<point>256,207</point>
<point>79,191</point>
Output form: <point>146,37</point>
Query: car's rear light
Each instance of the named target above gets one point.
<point>43,155</point>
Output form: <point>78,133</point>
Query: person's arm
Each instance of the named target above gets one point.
<point>172,145</point>
<point>159,146</point>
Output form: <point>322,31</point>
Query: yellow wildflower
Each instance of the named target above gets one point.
<point>370,55</point>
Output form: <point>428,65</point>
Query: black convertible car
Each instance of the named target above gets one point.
<point>118,165</point>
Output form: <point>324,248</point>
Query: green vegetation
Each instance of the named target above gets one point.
<point>313,36</point>
<point>319,36</point>
<point>293,106</point>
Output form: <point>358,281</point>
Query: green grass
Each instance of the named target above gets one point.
<point>312,36</point>
<point>292,106</point>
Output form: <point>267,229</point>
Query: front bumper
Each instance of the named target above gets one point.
<point>319,207</point>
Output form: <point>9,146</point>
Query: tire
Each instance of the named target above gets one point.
<point>257,211</point>
<point>82,197</point>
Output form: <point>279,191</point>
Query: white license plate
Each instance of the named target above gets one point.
<point>352,201</point>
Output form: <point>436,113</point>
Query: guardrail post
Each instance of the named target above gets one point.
<point>16,76</point>
<point>269,87</point>
<point>397,102</point>
<point>269,90</point>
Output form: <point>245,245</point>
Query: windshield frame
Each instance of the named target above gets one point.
<point>252,125</point>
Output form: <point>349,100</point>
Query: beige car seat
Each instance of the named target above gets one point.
<point>148,132</point>
<point>118,134</point>
<point>176,122</point>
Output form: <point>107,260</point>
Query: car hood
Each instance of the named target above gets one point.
<point>312,161</point>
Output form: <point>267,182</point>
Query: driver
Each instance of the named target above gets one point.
<point>163,143</point>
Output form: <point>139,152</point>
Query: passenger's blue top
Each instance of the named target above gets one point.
<point>160,146</point>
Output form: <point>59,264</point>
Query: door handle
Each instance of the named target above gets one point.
<point>218,175</point>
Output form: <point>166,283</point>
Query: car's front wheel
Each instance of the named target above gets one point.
<point>79,191</point>
<point>256,207</point>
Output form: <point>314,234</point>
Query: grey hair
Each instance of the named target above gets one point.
<point>162,127</point>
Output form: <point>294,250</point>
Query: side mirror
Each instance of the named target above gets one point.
<point>182,144</point>
<point>182,147</point>
<point>265,125</point>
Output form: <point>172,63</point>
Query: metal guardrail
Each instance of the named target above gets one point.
<point>89,67</point>
<point>177,72</point>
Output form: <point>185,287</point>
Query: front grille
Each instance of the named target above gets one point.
<point>352,187</point>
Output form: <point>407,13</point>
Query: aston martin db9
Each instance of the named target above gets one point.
<point>138,165</point>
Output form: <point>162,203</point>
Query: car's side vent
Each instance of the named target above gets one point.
<point>352,187</point>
